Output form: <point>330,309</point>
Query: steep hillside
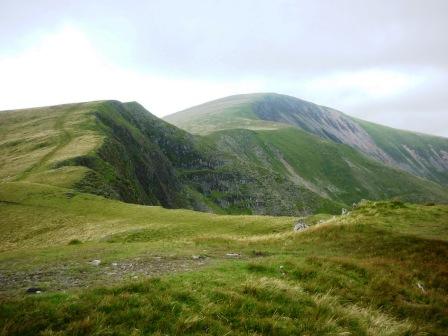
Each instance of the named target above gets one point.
<point>33,140</point>
<point>422,155</point>
<point>121,151</point>
<point>94,147</point>
<point>334,171</point>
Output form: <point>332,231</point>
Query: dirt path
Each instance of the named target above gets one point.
<point>85,274</point>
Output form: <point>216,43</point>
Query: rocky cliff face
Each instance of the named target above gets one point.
<point>146,160</point>
<point>322,121</point>
<point>422,155</point>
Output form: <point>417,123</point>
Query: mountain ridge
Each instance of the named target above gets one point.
<point>420,154</point>
<point>122,151</point>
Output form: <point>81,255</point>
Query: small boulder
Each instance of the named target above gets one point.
<point>95,262</point>
<point>34,290</point>
<point>419,285</point>
<point>233,255</point>
<point>300,225</point>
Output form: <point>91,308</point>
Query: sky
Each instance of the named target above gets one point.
<point>383,61</point>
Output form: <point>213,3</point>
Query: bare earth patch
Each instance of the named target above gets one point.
<point>86,274</point>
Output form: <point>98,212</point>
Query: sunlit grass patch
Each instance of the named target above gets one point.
<point>169,271</point>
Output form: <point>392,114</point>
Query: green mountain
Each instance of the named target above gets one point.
<point>333,171</point>
<point>121,151</point>
<point>106,148</point>
<point>318,148</point>
<point>77,260</point>
<point>419,154</point>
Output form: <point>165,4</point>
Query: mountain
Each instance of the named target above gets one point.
<point>335,172</point>
<point>121,151</point>
<point>74,263</point>
<point>107,148</point>
<point>422,155</point>
<point>77,257</point>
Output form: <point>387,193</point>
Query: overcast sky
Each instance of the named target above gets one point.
<point>384,61</point>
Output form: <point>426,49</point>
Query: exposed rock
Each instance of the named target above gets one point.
<point>233,255</point>
<point>419,285</point>
<point>300,225</point>
<point>322,121</point>
<point>95,262</point>
<point>34,290</point>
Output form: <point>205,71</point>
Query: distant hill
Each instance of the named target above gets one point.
<point>244,165</point>
<point>419,154</point>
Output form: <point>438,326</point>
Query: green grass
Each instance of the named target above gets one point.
<point>381,270</point>
<point>62,215</point>
<point>419,154</point>
<point>357,274</point>
<point>413,151</point>
<point>33,141</point>
<point>121,151</point>
<point>233,112</point>
<point>335,172</point>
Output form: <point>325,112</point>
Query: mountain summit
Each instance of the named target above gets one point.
<point>423,155</point>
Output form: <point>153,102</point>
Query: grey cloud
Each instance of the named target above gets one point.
<point>279,41</point>
<point>422,109</point>
<point>242,37</point>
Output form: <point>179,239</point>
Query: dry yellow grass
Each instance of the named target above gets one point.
<point>32,141</point>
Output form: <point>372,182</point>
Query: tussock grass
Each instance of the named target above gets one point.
<point>346,275</point>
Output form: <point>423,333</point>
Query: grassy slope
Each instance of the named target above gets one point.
<point>226,113</point>
<point>419,154</point>
<point>357,274</point>
<point>188,171</point>
<point>138,158</point>
<point>423,147</point>
<point>121,151</point>
<point>32,141</point>
<point>62,215</point>
<point>335,171</point>
<point>99,148</point>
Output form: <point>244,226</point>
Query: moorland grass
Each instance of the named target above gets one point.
<point>33,140</point>
<point>381,270</point>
